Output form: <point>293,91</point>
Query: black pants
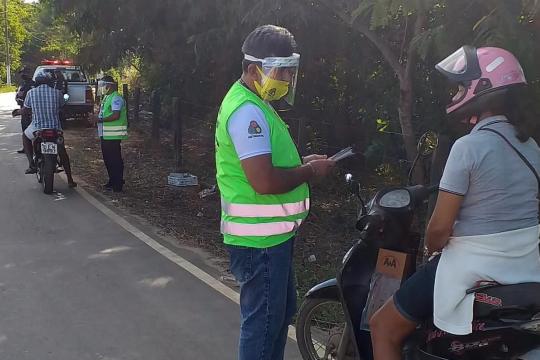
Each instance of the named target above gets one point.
<point>112,156</point>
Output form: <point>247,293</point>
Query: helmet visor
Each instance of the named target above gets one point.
<point>461,66</point>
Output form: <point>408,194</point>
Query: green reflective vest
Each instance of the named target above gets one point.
<point>247,218</point>
<point>118,129</point>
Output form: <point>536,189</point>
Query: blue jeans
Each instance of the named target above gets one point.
<point>267,299</point>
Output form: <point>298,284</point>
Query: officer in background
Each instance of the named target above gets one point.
<point>112,125</point>
<point>26,84</point>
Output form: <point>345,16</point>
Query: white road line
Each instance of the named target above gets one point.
<point>172,256</point>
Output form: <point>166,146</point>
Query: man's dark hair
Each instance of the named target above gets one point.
<point>268,41</point>
<point>110,79</point>
<point>24,73</point>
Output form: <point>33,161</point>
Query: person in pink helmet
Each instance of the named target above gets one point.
<point>485,223</point>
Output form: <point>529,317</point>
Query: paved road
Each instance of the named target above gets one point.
<point>74,285</point>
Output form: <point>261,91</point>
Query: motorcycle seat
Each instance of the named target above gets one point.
<point>509,299</point>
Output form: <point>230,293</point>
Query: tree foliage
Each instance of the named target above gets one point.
<point>19,16</point>
<point>364,62</point>
<point>51,36</point>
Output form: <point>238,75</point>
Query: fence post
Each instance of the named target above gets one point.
<point>156,112</point>
<point>97,97</point>
<point>125,93</point>
<point>137,105</point>
<point>177,119</point>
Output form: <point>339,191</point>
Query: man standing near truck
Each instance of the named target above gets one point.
<point>26,85</point>
<point>112,125</point>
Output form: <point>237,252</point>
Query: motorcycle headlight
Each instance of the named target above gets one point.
<point>395,199</point>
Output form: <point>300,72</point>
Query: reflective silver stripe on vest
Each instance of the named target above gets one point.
<point>114,133</point>
<point>256,210</point>
<point>265,229</point>
<point>116,128</point>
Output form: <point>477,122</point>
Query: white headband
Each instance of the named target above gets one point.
<point>270,62</point>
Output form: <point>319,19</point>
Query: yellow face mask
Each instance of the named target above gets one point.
<point>271,89</point>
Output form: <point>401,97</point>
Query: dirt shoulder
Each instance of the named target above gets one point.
<point>182,215</point>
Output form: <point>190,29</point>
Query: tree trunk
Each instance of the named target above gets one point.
<point>405,110</point>
<point>406,100</point>
<point>404,72</point>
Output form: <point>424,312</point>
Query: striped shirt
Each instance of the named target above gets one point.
<point>45,103</point>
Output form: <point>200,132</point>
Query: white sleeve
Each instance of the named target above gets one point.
<point>117,103</point>
<point>249,132</point>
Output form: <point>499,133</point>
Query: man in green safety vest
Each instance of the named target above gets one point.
<point>264,193</point>
<point>112,125</point>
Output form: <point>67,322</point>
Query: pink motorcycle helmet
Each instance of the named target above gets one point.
<point>479,72</point>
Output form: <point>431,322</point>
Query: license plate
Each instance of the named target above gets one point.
<point>49,148</point>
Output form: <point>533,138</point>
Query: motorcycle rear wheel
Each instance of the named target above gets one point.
<point>39,170</point>
<point>320,329</point>
<point>48,166</point>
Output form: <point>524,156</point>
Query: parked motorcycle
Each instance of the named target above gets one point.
<point>46,156</point>
<point>331,323</point>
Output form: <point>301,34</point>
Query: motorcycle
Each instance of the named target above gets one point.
<point>46,156</point>
<point>46,159</point>
<point>331,322</point>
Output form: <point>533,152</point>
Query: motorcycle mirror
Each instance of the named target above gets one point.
<point>428,142</point>
<point>355,189</point>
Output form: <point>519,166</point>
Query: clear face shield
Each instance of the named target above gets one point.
<point>462,66</point>
<point>104,86</point>
<point>278,79</point>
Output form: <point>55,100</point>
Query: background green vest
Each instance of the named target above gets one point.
<point>248,218</point>
<point>118,129</point>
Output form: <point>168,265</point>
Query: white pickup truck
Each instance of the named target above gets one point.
<point>81,96</point>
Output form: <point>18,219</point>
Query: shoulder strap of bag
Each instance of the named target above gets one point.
<point>522,157</point>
